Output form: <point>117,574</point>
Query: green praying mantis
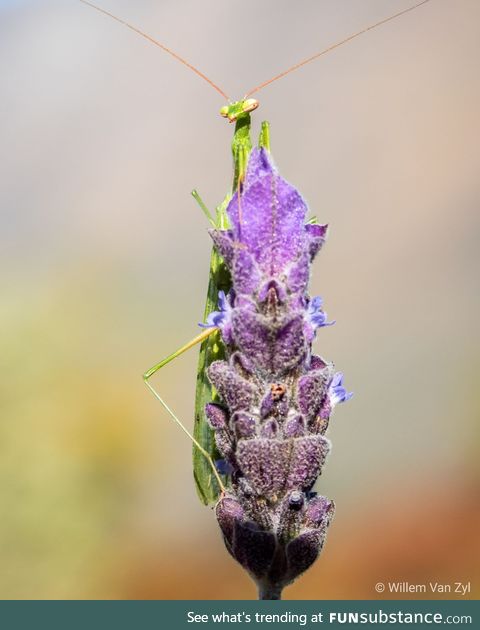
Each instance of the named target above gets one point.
<point>210,483</point>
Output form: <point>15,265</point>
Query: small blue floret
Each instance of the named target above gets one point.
<point>218,319</point>
<point>337,392</point>
<point>315,315</point>
<point>223,467</point>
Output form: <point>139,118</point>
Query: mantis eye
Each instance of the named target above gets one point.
<point>250,104</point>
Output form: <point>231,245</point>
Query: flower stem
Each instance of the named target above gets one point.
<point>269,591</point>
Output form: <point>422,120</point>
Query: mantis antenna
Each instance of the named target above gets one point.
<point>160,45</point>
<point>300,64</point>
<point>259,87</point>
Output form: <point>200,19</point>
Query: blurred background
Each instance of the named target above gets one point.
<point>104,262</point>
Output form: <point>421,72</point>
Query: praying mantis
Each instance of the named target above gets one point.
<point>211,482</point>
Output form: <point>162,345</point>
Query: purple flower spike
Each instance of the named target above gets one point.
<point>276,396</point>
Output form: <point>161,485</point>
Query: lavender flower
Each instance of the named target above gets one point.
<point>276,396</point>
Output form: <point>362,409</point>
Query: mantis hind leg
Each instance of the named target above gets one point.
<point>146,378</point>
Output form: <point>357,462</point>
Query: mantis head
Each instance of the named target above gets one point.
<point>234,110</point>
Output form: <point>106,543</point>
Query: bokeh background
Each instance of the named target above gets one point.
<point>104,260</point>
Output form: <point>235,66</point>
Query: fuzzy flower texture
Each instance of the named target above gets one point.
<point>276,397</point>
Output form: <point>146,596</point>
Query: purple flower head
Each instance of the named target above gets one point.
<point>275,396</point>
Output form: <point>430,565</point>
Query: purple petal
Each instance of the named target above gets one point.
<point>253,548</point>
<point>216,416</point>
<point>264,463</point>
<point>307,459</point>
<point>317,363</point>
<point>311,390</point>
<point>269,429</point>
<point>316,235</point>
<point>244,425</point>
<point>295,427</point>
<point>298,275</point>
<point>270,218</point>
<point>229,512</point>
<point>233,389</point>
<point>245,272</point>
<point>303,551</point>
<point>275,350</point>
<point>223,241</point>
<point>319,509</point>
